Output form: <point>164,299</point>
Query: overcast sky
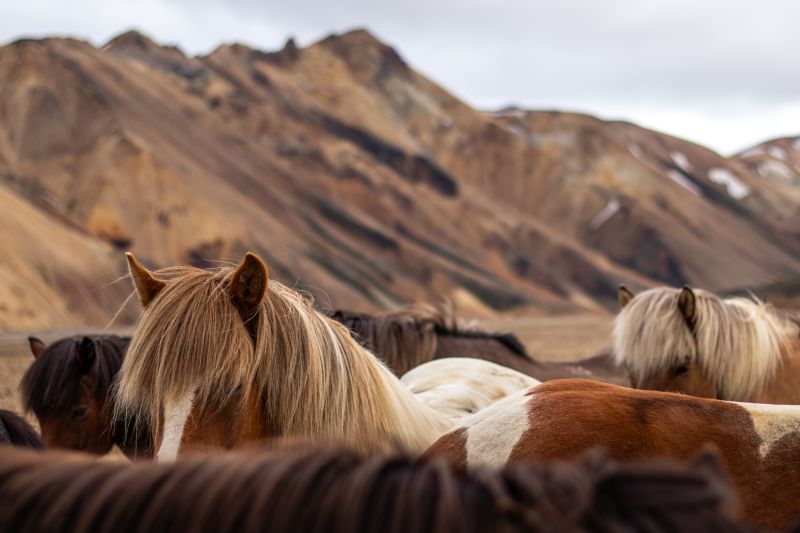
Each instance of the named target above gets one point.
<point>722,73</point>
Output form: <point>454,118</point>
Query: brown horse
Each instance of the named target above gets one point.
<point>68,388</point>
<point>407,338</point>
<point>227,357</point>
<point>759,443</point>
<point>694,342</point>
<point>327,491</point>
<point>16,431</point>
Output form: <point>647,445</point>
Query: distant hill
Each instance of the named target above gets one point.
<point>357,179</point>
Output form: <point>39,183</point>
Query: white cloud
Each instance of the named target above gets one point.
<point>708,71</point>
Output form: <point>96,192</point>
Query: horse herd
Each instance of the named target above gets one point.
<point>426,424</point>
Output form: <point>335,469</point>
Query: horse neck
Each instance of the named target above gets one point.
<point>416,424</point>
<point>488,348</point>
<point>782,388</point>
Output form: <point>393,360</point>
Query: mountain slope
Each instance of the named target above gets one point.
<point>362,181</point>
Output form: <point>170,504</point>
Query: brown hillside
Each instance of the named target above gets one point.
<point>357,179</point>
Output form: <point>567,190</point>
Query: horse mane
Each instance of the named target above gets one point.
<point>51,383</point>
<point>307,371</point>
<point>407,337</point>
<point>332,491</point>
<point>16,431</point>
<point>740,341</point>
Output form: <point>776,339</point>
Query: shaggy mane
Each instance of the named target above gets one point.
<point>335,491</point>
<point>408,337</point>
<point>310,375</point>
<point>740,342</point>
<point>16,431</point>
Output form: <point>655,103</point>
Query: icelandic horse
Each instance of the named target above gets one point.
<point>222,358</point>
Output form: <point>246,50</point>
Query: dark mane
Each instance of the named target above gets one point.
<point>315,491</point>
<point>509,340</point>
<point>52,382</point>
<point>409,337</point>
<point>16,431</point>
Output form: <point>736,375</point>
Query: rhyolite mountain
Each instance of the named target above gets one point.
<point>358,180</point>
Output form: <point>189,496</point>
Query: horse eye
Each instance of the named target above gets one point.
<point>79,413</point>
<point>682,370</point>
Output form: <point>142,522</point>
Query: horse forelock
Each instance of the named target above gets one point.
<point>738,342</point>
<point>313,377</point>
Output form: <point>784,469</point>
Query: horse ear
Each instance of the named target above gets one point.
<point>146,285</point>
<point>248,285</point>
<point>85,355</point>
<point>624,296</point>
<point>37,347</point>
<point>687,303</point>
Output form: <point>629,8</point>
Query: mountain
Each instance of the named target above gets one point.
<point>357,179</point>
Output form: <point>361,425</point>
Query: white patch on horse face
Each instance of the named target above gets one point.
<point>175,414</point>
<point>772,422</point>
<point>493,432</point>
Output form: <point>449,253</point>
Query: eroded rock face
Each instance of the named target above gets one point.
<point>359,179</point>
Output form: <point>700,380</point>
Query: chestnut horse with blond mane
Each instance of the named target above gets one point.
<point>694,342</point>
<point>222,358</point>
<point>759,444</point>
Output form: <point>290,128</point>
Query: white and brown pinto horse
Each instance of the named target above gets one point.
<point>694,342</point>
<point>759,444</point>
<point>223,358</point>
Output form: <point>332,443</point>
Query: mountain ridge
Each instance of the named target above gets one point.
<point>367,184</point>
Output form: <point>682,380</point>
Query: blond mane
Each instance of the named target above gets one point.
<point>312,376</point>
<point>739,341</point>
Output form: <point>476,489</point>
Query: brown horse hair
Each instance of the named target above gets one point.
<point>50,385</point>
<point>312,490</point>
<point>16,431</point>
<point>408,337</point>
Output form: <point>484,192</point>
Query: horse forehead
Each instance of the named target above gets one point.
<point>772,422</point>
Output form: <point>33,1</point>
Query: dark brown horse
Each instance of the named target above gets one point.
<point>408,338</point>
<point>325,491</point>
<point>16,431</point>
<point>68,388</point>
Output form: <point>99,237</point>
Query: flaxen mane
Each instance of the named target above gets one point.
<point>740,342</point>
<point>16,431</point>
<point>407,338</point>
<point>323,491</point>
<point>312,377</point>
<point>51,384</point>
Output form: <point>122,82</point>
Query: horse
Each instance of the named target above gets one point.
<point>16,431</point>
<point>694,342</point>
<point>68,388</point>
<point>333,491</point>
<point>409,337</point>
<point>759,444</point>
<point>221,358</point>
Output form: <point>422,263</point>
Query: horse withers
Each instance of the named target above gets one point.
<point>694,342</point>
<point>759,444</point>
